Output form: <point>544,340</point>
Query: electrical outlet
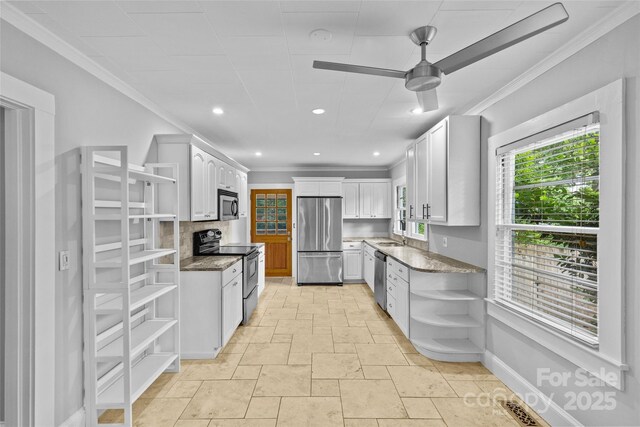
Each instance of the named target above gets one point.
<point>64,260</point>
<point>444,242</point>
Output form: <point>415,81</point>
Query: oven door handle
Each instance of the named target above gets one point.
<point>234,208</point>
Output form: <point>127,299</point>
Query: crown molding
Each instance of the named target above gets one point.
<point>35,30</point>
<point>615,18</point>
<point>322,169</point>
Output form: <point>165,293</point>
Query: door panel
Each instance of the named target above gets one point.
<point>350,194</point>
<point>437,173</point>
<point>331,224</point>
<point>198,184</point>
<point>308,224</point>
<point>319,267</point>
<point>421,179</point>
<point>411,183</point>
<point>211,189</point>
<point>271,224</point>
<point>366,200</point>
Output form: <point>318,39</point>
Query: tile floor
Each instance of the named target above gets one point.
<point>321,356</point>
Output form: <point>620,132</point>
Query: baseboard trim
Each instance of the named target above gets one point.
<point>554,415</point>
<point>77,419</point>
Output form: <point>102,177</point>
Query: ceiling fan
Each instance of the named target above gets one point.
<point>425,76</point>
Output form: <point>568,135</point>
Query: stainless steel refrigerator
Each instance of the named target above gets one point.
<point>319,240</point>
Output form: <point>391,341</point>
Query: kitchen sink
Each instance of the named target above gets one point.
<point>389,244</point>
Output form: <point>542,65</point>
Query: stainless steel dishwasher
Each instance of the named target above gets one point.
<point>380,280</point>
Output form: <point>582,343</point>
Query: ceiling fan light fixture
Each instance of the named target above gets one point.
<point>218,111</point>
<point>318,111</point>
<point>423,76</point>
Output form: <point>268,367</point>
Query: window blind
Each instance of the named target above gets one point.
<point>547,223</point>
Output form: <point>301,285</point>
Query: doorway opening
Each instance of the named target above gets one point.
<point>271,224</point>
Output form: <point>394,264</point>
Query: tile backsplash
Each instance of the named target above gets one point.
<point>414,243</point>
<point>187,229</point>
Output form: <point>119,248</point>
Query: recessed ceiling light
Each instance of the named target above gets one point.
<point>318,111</point>
<point>258,153</point>
<point>417,110</point>
<point>376,153</point>
<point>316,154</point>
<point>218,111</point>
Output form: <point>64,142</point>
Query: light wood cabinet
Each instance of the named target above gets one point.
<point>366,199</point>
<point>443,173</point>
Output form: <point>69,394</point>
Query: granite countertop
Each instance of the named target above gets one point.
<point>208,263</point>
<point>418,259</point>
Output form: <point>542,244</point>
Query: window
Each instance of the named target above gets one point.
<point>547,227</point>
<point>400,211</point>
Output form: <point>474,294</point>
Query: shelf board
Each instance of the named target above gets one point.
<point>143,375</point>
<point>448,295</point>
<point>118,217</point>
<point>447,345</point>
<point>136,258</point>
<point>150,177</point>
<point>447,320</point>
<point>117,245</point>
<point>141,336</point>
<point>117,204</point>
<point>139,297</point>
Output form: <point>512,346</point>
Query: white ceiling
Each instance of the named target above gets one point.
<point>253,59</point>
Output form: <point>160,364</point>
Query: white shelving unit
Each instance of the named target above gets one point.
<point>131,284</point>
<point>447,315</point>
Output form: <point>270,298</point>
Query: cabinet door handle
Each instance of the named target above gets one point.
<point>410,211</point>
<point>424,207</point>
<point>428,211</point>
<point>235,283</point>
<point>234,270</point>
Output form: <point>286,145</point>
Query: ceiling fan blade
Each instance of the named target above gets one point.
<point>335,66</point>
<point>428,100</point>
<point>534,24</point>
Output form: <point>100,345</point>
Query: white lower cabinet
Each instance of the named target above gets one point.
<point>352,261</point>
<point>369,265</point>
<point>210,310</point>
<point>261,270</point>
<point>231,307</point>
<point>398,294</point>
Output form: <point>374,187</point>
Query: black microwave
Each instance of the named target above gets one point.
<point>227,205</point>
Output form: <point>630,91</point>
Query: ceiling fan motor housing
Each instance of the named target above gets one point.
<point>424,76</point>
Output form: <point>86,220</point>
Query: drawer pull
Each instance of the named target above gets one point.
<point>234,270</point>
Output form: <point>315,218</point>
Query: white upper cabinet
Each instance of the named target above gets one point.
<point>374,199</point>
<point>204,201</point>
<point>200,173</point>
<point>350,200</point>
<point>437,177</point>
<point>411,182</point>
<point>243,196</point>
<point>226,177</point>
<point>443,180</point>
<point>318,187</point>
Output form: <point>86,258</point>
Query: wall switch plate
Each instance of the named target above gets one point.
<point>444,242</point>
<point>64,260</point>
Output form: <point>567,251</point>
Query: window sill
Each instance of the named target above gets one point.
<point>597,364</point>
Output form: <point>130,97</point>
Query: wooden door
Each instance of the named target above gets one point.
<point>271,221</point>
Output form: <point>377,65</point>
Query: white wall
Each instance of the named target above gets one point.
<point>614,56</point>
<point>2,255</point>
<point>88,112</point>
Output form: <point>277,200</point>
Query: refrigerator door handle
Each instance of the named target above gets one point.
<point>320,255</point>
